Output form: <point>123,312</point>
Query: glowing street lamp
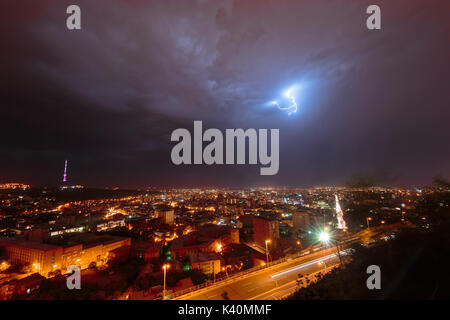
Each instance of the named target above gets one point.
<point>267,254</point>
<point>36,267</point>
<point>368,219</point>
<point>226,270</point>
<point>165,267</point>
<point>4,266</point>
<point>324,236</point>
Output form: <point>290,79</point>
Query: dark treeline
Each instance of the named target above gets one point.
<point>413,265</point>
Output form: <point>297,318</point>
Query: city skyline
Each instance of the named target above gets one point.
<point>107,97</point>
<point>210,244</point>
<point>252,155</point>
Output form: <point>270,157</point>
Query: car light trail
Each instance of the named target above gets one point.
<point>309,263</point>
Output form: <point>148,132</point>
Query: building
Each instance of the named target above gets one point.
<point>234,236</point>
<point>191,244</point>
<point>209,238</point>
<point>147,250</point>
<point>206,262</point>
<point>238,255</point>
<point>62,231</point>
<point>120,254</point>
<point>301,220</point>
<point>265,228</point>
<point>165,214</point>
<point>37,234</point>
<point>41,258</point>
<point>118,222</point>
<point>86,251</point>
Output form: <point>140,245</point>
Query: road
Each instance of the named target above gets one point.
<point>278,281</point>
<point>272,283</point>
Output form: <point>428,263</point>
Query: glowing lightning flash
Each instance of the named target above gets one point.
<point>292,108</point>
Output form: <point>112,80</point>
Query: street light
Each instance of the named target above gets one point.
<point>165,267</point>
<point>324,236</point>
<point>267,254</point>
<point>368,219</point>
<point>226,270</point>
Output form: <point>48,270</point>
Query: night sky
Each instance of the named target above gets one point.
<point>107,97</point>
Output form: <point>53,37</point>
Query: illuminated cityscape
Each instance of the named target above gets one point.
<point>217,155</point>
<point>205,236</point>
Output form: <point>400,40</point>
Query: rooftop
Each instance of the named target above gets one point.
<point>204,256</point>
<point>27,244</point>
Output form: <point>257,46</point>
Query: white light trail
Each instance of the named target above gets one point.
<point>340,215</point>
<point>308,264</point>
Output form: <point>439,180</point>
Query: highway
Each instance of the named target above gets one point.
<point>275,282</point>
<point>278,281</point>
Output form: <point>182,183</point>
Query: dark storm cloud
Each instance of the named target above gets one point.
<point>107,97</point>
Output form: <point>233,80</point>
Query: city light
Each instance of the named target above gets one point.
<point>340,215</point>
<point>324,236</point>
<point>190,230</point>
<point>368,219</point>
<point>267,253</point>
<point>4,265</point>
<point>165,268</point>
<point>14,185</point>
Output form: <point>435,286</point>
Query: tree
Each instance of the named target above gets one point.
<point>411,267</point>
<point>197,276</point>
<point>225,295</point>
<point>441,183</point>
<point>3,254</point>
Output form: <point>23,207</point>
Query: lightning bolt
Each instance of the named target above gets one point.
<point>292,108</point>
